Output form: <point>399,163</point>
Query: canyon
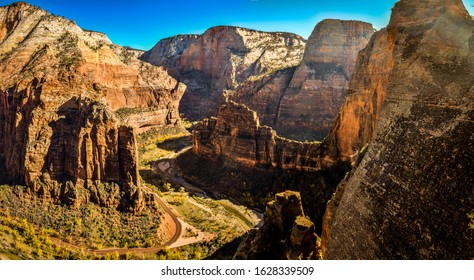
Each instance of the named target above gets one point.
<point>370,132</point>
<point>71,102</point>
<point>293,85</point>
<point>407,113</point>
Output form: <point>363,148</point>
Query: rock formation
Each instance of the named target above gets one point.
<point>249,161</point>
<point>214,64</point>
<point>264,71</point>
<point>318,88</point>
<point>59,86</point>
<point>236,134</point>
<point>406,126</point>
<point>411,196</point>
<point>285,234</point>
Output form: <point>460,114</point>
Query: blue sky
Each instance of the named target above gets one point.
<point>142,23</point>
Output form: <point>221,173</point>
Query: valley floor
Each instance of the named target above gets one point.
<point>189,224</point>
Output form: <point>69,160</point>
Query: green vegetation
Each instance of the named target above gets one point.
<point>19,239</point>
<point>156,144</point>
<point>90,226</point>
<point>123,113</point>
<point>126,55</point>
<point>220,217</point>
<point>69,54</point>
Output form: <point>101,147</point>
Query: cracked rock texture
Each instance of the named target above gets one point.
<point>412,195</point>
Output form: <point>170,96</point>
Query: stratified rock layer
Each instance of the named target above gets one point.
<point>59,86</point>
<point>317,90</point>
<point>249,161</point>
<point>411,197</point>
<point>285,235</point>
<point>236,134</point>
<point>214,64</point>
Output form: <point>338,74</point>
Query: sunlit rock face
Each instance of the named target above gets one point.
<point>215,64</point>
<point>318,87</point>
<point>411,196</point>
<point>60,89</point>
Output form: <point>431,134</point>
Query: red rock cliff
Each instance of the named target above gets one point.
<point>411,96</point>
<point>214,64</point>
<point>59,86</point>
<point>318,88</point>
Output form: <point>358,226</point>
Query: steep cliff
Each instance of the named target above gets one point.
<point>59,86</point>
<point>291,92</point>
<point>220,60</point>
<point>318,88</point>
<point>236,134</point>
<point>411,196</point>
<point>285,235</point>
<point>233,155</point>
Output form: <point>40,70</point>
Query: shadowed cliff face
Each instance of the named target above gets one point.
<point>214,64</point>
<point>411,197</point>
<point>286,234</point>
<point>59,86</point>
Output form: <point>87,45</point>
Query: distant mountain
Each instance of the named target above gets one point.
<point>214,64</point>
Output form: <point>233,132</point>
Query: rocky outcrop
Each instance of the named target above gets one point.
<point>59,86</point>
<point>411,196</point>
<point>236,134</point>
<point>286,233</point>
<point>249,161</point>
<point>318,88</point>
<point>214,64</point>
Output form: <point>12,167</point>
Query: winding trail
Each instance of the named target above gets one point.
<point>177,240</point>
<point>174,239</point>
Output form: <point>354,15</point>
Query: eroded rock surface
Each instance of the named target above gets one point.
<point>59,88</point>
<point>236,134</point>
<point>411,197</point>
<point>285,235</point>
<point>318,87</point>
<point>214,64</point>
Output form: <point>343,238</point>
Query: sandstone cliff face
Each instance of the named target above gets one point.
<point>411,196</point>
<point>249,161</point>
<point>318,88</point>
<point>58,88</point>
<point>221,59</point>
<point>36,44</point>
<point>236,134</point>
<point>285,235</point>
<point>264,95</point>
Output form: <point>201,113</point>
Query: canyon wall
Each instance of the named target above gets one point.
<point>411,196</point>
<point>297,94</point>
<point>214,64</point>
<point>236,134</point>
<point>405,125</point>
<point>318,88</point>
<point>71,102</point>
